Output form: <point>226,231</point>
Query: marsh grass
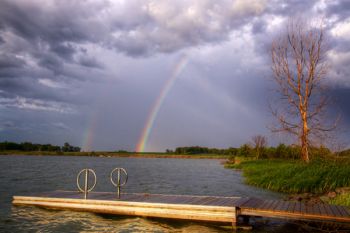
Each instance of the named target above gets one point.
<point>290,176</point>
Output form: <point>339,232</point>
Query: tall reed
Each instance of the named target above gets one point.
<point>287,176</point>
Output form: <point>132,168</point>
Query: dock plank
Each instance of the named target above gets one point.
<point>335,210</point>
<point>297,207</point>
<point>316,209</point>
<point>242,201</point>
<point>252,203</point>
<point>274,205</point>
<point>302,207</point>
<point>322,209</point>
<point>279,206</point>
<point>221,202</point>
<point>343,211</point>
<point>268,204</point>
<point>329,211</point>
<point>291,207</point>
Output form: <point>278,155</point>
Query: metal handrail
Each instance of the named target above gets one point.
<point>86,189</point>
<point>118,184</point>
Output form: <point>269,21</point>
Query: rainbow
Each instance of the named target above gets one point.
<point>89,134</point>
<point>178,68</point>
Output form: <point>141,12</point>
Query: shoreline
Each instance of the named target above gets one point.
<point>116,155</point>
<point>283,176</point>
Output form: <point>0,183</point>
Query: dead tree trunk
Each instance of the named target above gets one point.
<point>298,68</point>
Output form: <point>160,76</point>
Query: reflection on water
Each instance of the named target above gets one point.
<point>22,175</point>
<point>33,219</point>
<point>43,220</point>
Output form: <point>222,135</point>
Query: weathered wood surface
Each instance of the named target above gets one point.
<point>206,208</point>
<point>217,209</point>
<point>293,210</point>
<point>139,197</point>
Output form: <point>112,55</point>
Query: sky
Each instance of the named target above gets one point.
<point>143,75</point>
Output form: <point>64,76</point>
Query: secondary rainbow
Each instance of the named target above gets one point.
<point>89,134</point>
<point>178,68</point>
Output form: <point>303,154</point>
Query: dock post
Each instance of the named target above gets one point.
<point>234,225</point>
<point>234,220</point>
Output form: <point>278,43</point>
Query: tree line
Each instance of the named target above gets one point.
<point>201,150</point>
<point>28,146</point>
<point>260,151</point>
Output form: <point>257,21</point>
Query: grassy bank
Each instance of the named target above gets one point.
<point>342,199</point>
<point>294,177</point>
<point>116,154</point>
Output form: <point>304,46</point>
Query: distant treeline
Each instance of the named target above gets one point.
<point>247,150</point>
<point>28,146</point>
<point>190,150</point>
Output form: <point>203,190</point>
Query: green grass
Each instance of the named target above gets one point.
<point>296,177</point>
<point>342,199</point>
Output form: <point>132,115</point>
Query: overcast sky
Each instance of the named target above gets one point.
<point>97,73</point>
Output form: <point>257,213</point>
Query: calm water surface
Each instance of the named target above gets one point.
<point>21,175</point>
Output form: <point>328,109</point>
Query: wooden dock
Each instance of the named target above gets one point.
<point>203,208</point>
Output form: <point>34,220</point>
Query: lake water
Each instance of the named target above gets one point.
<point>21,175</point>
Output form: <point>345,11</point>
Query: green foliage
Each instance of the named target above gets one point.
<point>28,146</point>
<point>68,148</point>
<point>342,199</point>
<point>344,153</point>
<point>245,150</point>
<point>191,150</point>
<point>235,161</point>
<point>318,176</point>
<point>282,151</point>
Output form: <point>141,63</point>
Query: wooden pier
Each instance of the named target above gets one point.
<point>202,208</point>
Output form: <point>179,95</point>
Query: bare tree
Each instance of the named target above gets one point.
<point>259,143</point>
<point>299,68</point>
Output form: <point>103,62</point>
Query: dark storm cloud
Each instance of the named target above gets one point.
<point>63,22</point>
<point>10,66</point>
<point>340,9</point>
<point>60,126</point>
<point>53,55</point>
<point>290,7</point>
<point>339,72</point>
<point>42,42</point>
<point>90,62</point>
<point>51,34</point>
<point>341,97</point>
<point>65,51</point>
<point>51,62</point>
<point>259,26</point>
<point>135,28</point>
<point>44,39</point>
<point>10,61</point>
<point>8,124</point>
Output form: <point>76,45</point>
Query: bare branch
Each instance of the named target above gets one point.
<point>299,66</point>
